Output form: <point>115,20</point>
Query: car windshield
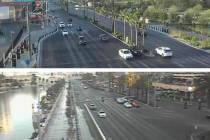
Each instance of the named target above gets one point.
<point>168,51</point>
<point>126,52</point>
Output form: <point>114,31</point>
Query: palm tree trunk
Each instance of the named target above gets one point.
<point>136,34</point>
<point>131,34</point>
<point>124,28</point>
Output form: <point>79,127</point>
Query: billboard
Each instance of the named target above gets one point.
<point>15,2</point>
<point>4,12</point>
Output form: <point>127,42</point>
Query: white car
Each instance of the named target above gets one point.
<point>103,37</point>
<point>125,54</point>
<point>101,114</point>
<point>69,24</point>
<point>65,33</point>
<point>121,100</point>
<point>61,25</point>
<point>164,51</point>
<point>127,105</point>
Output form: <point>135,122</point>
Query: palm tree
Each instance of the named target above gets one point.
<point>130,21</point>
<point>123,14</point>
<point>136,19</point>
<point>202,85</point>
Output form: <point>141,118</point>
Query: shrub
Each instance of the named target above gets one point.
<point>205,44</point>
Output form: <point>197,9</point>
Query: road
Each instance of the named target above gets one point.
<point>170,121</point>
<point>65,52</point>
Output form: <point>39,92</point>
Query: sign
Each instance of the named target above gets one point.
<point>4,12</point>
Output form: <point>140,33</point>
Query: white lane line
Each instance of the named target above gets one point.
<point>96,124</point>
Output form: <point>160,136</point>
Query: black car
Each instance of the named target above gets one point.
<point>136,52</point>
<point>208,116</point>
<point>79,28</point>
<point>82,42</point>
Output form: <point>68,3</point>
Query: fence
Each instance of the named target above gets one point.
<point>14,43</point>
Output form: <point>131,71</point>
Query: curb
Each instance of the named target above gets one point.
<point>95,123</point>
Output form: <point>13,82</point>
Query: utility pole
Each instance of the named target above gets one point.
<point>67,6</point>
<point>84,4</point>
<point>28,31</point>
<point>94,11</point>
<point>148,89</point>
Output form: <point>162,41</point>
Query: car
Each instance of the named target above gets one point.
<point>65,33</point>
<point>164,51</point>
<point>79,28</point>
<point>87,100</point>
<point>82,42</point>
<point>125,54</point>
<point>136,52</point>
<point>61,24</point>
<point>103,37</point>
<point>135,103</point>
<point>102,114</point>
<point>81,37</point>
<point>92,107</point>
<point>69,24</point>
<point>42,124</point>
<point>127,105</point>
<point>85,87</point>
<point>121,100</point>
<point>208,116</point>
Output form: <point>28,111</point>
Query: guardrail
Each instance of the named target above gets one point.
<point>159,28</point>
<point>17,42</point>
<point>95,123</point>
<point>13,46</point>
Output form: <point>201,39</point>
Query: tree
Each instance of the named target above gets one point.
<point>123,14</point>
<point>202,85</point>
<point>173,14</point>
<point>204,17</point>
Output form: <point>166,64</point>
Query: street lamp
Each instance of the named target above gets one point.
<point>12,34</point>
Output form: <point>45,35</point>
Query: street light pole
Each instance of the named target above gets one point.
<point>113,17</point>
<point>84,4</point>
<point>94,11</point>
<point>28,31</point>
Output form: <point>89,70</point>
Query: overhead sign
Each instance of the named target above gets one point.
<point>4,12</point>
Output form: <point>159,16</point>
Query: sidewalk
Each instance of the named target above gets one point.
<point>25,61</point>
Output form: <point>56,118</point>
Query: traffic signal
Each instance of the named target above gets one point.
<point>14,60</point>
<point>18,53</point>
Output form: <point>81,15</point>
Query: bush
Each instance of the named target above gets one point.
<point>194,41</point>
<point>205,44</point>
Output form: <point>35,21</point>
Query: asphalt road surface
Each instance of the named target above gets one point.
<point>65,52</point>
<point>169,122</point>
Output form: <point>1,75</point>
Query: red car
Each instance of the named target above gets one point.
<point>135,103</point>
